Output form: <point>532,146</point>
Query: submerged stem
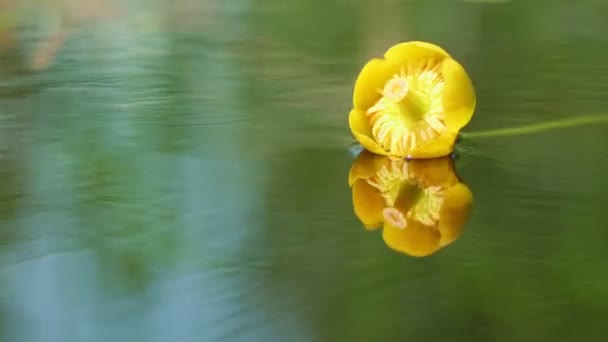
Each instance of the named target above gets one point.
<point>537,127</point>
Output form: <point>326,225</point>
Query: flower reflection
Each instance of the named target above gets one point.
<point>422,204</point>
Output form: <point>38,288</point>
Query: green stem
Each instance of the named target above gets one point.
<point>537,128</point>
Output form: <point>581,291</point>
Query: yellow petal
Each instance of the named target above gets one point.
<point>372,77</point>
<point>454,213</point>
<point>434,172</point>
<point>458,95</point>
<point>368,204</point>
<point>361,130</point>
<point>365,166</point>
<point>438,147</point>
<point>415,240</point>
<point>404,52</point>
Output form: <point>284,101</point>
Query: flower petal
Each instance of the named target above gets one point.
<point>361,130</point>
<point>437,147</point>
<point>454,213</point>
<point>368,204</point>
<point>365,166</point>
<point>415,240</point>
<point>434,172</point>
<point>372,77</point>
<point>404,52</point>
<point>459,98</point>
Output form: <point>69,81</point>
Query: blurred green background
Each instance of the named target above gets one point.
<point>177,171</point>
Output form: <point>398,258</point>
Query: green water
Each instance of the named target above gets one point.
<point>179,172</point>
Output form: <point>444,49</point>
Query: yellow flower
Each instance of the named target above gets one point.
<point>422,204</point>
<point>412,103</point>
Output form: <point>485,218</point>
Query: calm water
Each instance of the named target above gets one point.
<point>179,173</point>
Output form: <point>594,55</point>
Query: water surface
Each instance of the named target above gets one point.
<point>177,171</point>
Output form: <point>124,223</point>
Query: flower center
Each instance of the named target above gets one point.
<point>427,207</point>
<point>410,109</point>
<point>405,197</point>
<point>389,180</point>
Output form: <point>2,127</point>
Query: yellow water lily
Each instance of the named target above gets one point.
<point>422,204</point>
<point>412,103</point>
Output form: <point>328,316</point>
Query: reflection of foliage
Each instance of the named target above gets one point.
<point>11,191</point>
<point>10,187</point>
<point>282,97</point>
<point>311,26</point>
<point>125,215</point>
<point>176,117</point>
